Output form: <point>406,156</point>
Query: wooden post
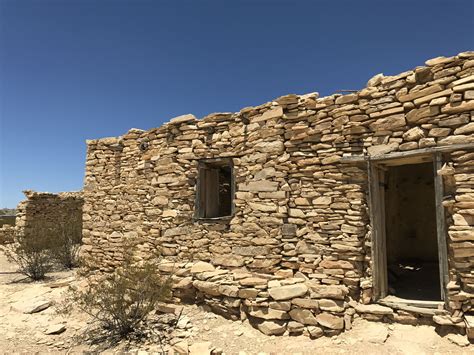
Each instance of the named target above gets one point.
<point>383,233</point>
<point>441,225</point>
<point>377,218</point>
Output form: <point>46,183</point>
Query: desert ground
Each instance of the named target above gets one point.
<point>199,332</point>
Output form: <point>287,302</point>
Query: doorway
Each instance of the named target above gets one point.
<point>412,247</point>
<point>409,256</point>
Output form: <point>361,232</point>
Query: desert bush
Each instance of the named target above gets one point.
<point>67,242</point>
<point>31,251</point>
<point>121,301</point>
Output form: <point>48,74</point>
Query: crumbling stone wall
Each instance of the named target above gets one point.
<point>48,210</point>
<point>301,208</point>
<point>7,233</point>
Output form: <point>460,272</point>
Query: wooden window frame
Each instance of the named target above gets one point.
<point>199,207</point>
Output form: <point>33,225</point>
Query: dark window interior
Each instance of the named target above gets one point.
<point>215,189</point>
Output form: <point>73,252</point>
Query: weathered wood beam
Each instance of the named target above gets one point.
<point>405,306</point>
<point>407,154</point>
<point>441,225</point>
<point>377,221</point>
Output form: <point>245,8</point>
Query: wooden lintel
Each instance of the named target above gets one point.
<point>354,159</point>
<point>218,160</point>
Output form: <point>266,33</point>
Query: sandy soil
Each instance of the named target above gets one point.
<point>25,333</point>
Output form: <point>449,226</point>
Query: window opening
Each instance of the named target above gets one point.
<point>215,189</point>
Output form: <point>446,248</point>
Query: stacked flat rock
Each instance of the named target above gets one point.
<point>48,211</point>
<point>300,210</point>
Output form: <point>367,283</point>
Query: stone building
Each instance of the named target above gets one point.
<point>305,211</point>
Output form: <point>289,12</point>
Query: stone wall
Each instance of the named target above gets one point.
<point>48,210</point>
<point>7,234</point>
<point>301,212</point>
<point>459,181</point>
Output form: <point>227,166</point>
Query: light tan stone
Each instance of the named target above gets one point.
<point>330,321</point>
<point>272,328</point>
<point>269,313</point>
<point>207,287</point>
<point>414,133</point>
<point>417,114</point>
<point>303,316</point>
<point>288,292</point>
<point>183,119</point>
<point>390,123</point>
<point>373,309</point>
<point>420,93</point>
<point>258,186</point>
<point>202,266</point>
<point>276,112</point>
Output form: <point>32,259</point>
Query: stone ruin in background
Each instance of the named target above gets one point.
<point>43,209</point>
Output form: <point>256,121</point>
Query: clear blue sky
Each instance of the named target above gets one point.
<point>77,70</point>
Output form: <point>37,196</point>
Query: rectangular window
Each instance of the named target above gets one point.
<point>215,192</point>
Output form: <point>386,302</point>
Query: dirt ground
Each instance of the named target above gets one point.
<point>26,333</point>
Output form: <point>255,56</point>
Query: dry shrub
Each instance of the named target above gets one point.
<point>121,301</point>
<point>32,252</point>
<point>44,245</point>
<point>67,242</point>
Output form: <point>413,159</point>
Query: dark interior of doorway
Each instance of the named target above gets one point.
<point>412,248</point>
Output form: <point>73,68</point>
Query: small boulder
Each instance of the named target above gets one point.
<point>31,306</point>
<point>207,287</point>
<point>315,332</point>
<point>303,316</point>
<point>169,308</point>
<point>272,328</point>
<point>295,327</point>
<point>330,321</point>
<point>55,329</point>
<point>458,339</point>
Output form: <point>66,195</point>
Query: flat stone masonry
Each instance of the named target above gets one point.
<point>7,234</point>
<point>45,209</point>
<point>296,252</point>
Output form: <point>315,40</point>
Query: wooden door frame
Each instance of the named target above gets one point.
<point>375,170</point>
<point>378,236</point>
<point>441,229</point>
